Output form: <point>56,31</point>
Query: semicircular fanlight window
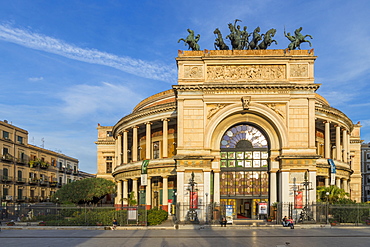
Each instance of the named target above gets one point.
<point>243,133</point>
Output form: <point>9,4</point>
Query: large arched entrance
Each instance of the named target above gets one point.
<point>244,179</point>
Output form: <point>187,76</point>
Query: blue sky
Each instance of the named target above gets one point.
<point>66,66</point>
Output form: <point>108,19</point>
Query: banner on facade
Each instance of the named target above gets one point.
<point>194,200</point>
<point>298,199</point>
<point>333,171</point>
<point>144,167</point>
<point>144,179</point>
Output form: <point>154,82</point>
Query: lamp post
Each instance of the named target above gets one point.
<point>192,213</point>
<point>327,207</point>
<point>206,208</point>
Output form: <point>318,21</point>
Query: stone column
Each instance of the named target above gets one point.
<point>284,187</point>
<point>273,186</point>
<point>148,141</point>
<point>119,150</point>
<point>327,140</point>
<point>337,182</point>
<point>165,138</point>
<point>180,187</point>
<point>125,193</point>
<point>216,187</point>
<point>337,143</point>
<point>148,194</point>
<point>118,199</point>
<point>134,143</point>
<point>345,185</point>
<point>345,146</point>
<point>165,193</point>
<point>327,181</point>
<point>312,179</point>
<point>125,148</point>
<point>134,188</point>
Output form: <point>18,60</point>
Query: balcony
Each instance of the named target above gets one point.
<point>53,183</point>
<point>33,163</point>
<point>21,180</point>
<point>33,181</point>
<point>21,198</point>
<point>44,165</point>
<point>69,171</point>
<point>7,158</point>
<point>6,179</point>
<point>22,161</point>
<point>44,182</point>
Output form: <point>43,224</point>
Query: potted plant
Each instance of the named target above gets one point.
<point>42,223</point>
<point>270,218</point>
<point>368,222</point>
<point>333,222</point>
<point>10,223</point>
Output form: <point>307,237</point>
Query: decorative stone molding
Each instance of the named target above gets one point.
<point>232,73</point>
<point>299,70</point>
<point>278,108</point>
<point>214,109</point>
<point>191,72</point>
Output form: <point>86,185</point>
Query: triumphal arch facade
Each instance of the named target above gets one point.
<point>240,128</point>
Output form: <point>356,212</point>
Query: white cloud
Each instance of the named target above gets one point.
<point>44,43</point>
<point>36,78</point>
<point>83,100</point>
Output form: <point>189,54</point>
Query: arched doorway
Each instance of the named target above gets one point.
<point>244,178</point>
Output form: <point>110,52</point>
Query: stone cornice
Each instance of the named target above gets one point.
<point>249,86</point>
<point>168,107</point>
<point>334,112</point>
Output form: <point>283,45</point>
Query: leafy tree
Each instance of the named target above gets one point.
<point>84,191</point>
<point>331,194</point>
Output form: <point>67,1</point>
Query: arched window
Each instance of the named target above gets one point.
<point>244,163</point>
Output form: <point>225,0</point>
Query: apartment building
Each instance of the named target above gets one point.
<point>28,173</point>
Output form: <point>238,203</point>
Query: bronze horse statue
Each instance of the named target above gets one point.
<point>191,41</point>
<point>297,40</point>
<point>220,44</point>
<point>235,36</point>
<point>255,39</point>
<point>267,39</point>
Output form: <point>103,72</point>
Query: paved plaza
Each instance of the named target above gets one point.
<point>228,237</point>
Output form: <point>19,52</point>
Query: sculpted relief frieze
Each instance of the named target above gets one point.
<point>191,72</point>
<point>231,73</point>
<point>299,70</point>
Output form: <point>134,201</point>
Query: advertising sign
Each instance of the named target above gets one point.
<point>194,200</point>
<point>132,214</point>
<point>262,208</point>
<point>298,199</point>
<point>229,213</point>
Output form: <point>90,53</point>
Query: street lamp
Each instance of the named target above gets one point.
<point>327,207</point>
<point>206,208</point>
<point>192,214</point>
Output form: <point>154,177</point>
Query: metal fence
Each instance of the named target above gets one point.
<point>86,215</point>
<point>323,213</point>
<point>203,213</point>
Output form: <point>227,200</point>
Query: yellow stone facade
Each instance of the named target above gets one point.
<point>30,174</point>
<point>248,124</point>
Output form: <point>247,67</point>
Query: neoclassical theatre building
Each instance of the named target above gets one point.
<point>243,127</point>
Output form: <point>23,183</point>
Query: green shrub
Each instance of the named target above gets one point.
<point>156,216</point>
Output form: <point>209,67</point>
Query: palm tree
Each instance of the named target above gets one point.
<point>330,194</point>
